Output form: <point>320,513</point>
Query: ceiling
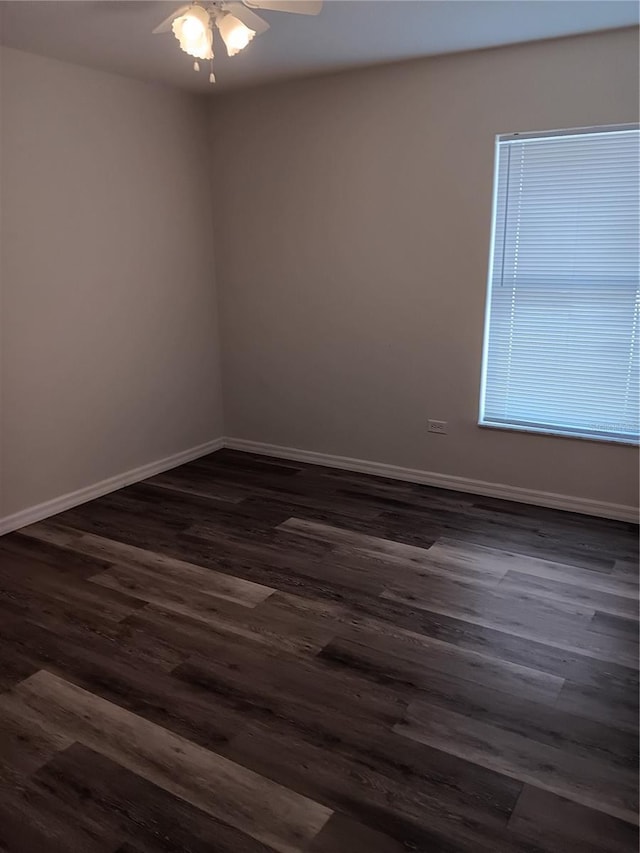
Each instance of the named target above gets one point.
<point>116,36</point>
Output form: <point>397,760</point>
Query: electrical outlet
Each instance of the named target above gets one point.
<point>439,427</point>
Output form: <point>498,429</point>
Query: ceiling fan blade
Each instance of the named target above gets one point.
<point>248,18</point>
<point>165,26</point>
<point>298,7</point>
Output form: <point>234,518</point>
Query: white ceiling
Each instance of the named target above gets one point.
<point>116,36</point>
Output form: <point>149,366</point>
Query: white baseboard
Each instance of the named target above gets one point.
<point>568,503</point>
<point>135,475</point>
<point>394,472</point>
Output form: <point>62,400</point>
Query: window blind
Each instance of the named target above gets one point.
<point>562,337</point>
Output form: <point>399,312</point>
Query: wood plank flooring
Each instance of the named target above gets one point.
<point>246,654</point>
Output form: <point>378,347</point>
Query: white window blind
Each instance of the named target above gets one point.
<point>562,337</point>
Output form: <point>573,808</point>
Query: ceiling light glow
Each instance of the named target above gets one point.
<point>193,31</point>
<point>192,28</point>
<point>235,34</point>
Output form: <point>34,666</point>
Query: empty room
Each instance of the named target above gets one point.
<point>319,426</point>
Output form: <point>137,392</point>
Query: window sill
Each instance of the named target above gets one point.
<point>531,430</point>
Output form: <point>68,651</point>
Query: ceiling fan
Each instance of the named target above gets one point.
<point>194,24</point>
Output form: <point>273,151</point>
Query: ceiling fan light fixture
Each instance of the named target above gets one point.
<point>235,34</point>
<point>193,31</point>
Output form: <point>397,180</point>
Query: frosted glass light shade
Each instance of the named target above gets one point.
<point>193,31</point>
<point>235,34</point>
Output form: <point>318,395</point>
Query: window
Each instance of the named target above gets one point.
<point>562,336</point>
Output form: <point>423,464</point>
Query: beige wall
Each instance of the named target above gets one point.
<point>109,327</point>
<point>352,218</point>
<point>352,221</point>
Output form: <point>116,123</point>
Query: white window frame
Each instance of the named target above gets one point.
<point>557,432</point>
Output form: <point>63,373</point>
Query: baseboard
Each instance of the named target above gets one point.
<point>568,503</point>
<point>135,475</point>
<point>380,469</point>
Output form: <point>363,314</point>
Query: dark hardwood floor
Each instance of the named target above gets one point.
<point>246,655</point>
